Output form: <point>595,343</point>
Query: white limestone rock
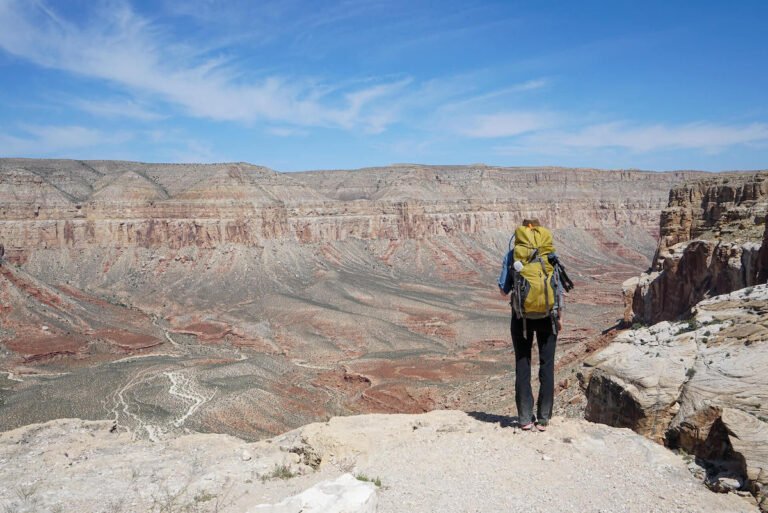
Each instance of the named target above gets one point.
<point>699,384</point>
<point>345,494</point>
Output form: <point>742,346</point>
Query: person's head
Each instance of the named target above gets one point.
<point>531,222</point>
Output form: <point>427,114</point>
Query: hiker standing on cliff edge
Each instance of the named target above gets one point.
<point>533,275</point>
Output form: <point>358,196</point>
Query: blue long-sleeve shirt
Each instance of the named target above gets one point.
<point>505,278</point>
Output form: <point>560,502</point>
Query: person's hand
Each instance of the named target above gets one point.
<point>560,322</point>
<point>503,294</point>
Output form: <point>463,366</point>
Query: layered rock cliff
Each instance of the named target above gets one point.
<point>710,239</point>
<point>727,207</point>
<point>230,298</point>
<point>73,204</point>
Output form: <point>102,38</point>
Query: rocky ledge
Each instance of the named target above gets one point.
<point>698,385</point>
<point>446,461</point>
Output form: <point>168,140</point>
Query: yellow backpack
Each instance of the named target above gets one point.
<point>533,295</point>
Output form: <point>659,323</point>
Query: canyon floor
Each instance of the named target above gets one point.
<point>220,356</point>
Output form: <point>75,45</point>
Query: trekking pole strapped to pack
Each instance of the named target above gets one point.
<point>562,276</point>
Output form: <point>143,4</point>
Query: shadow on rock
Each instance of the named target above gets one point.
<point>503,420</point>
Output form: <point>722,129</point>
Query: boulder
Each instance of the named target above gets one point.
<point>698,385</point>
<point>636,380</point>
<point>345,494</point>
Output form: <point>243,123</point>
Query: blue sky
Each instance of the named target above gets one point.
<point>297,85</point>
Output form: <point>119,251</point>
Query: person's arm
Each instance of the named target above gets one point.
<point>505,278</point>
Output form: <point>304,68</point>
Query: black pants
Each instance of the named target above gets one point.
<point>547,341</point>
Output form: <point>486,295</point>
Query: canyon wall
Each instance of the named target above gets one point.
<point>709,244</point>
<point>69,204</point>
<point>727,207</point>
<point>698,383</point>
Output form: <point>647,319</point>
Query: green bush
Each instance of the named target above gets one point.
<point>363,477</point>
<point>689,325</point>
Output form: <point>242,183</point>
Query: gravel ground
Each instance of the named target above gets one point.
<point>448,461</point>
<point>443,461</point>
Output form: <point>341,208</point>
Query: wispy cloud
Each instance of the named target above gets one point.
<point>127,50</point>
<point>177,145</point>
<point>195,151</point>
<point>284,131</point>
<point>410,149</point>
<point>36,140</point>
<point>645,138</point>
<point>506,124</point>
<point>530,85</point>
<point>377,120</point>
<point>478,116</point>
<point>117,109</point>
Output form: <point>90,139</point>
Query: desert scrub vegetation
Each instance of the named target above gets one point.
<point>279,472</point>
<point>181,502</point>
<point>366,479</point>
<point>689,325</point>
<point>27,502</point>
